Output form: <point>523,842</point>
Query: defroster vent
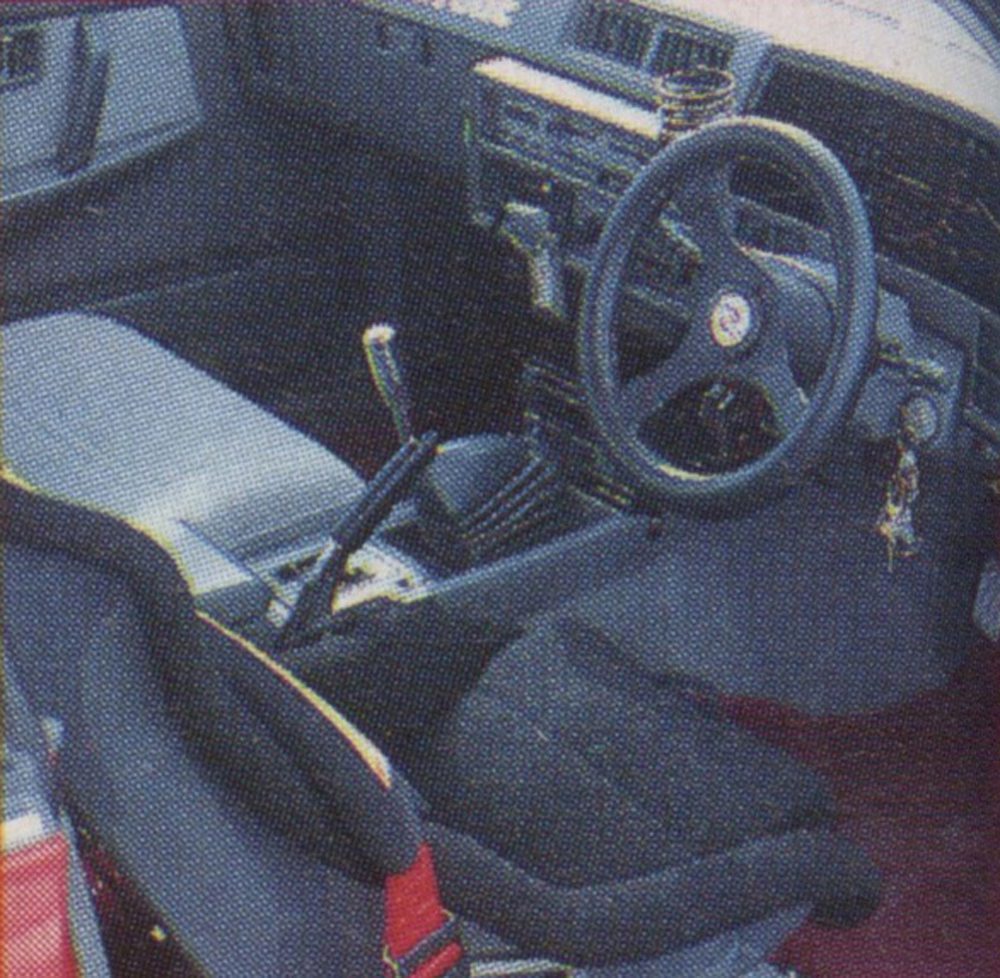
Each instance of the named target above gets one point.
<point>682,50</point>
<point>616,32</point>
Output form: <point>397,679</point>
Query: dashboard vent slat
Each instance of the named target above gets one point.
<point>680,51</point>
<point>613,32</point>
<point>623,34</point>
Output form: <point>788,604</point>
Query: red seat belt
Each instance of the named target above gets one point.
<point>421,937</point>
<point>35,928</point>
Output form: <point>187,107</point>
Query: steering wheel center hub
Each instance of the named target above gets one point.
<point>732,320</point>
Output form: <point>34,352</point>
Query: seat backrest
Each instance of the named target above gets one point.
<point>197,759</point>
<point>97,412</point>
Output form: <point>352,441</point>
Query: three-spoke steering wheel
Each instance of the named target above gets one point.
<point>750,315</point>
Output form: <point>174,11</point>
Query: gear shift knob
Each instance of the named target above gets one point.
<point>381,346</point>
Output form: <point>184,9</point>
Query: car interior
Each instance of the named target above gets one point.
<point>544,449</point>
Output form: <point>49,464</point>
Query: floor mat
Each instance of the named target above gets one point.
<point>919,788</point>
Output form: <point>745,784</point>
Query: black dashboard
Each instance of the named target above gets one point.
<point>552,101</point>
<point>932,186</point>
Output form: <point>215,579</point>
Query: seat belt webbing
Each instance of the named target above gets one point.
<point>421,937</point>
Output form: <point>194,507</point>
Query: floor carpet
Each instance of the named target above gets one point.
<point>919,788</point>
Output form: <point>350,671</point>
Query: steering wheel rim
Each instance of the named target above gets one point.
<point>664,485</point>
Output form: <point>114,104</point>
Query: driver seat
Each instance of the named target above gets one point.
<point>572,819</point>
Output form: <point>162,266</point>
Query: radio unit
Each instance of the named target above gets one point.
<point>558,146</point>
<point>550,141</point>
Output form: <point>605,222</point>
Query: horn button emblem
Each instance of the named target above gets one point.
<point>732,320</point>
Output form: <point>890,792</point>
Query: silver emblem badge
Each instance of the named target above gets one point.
<point>731,320</point>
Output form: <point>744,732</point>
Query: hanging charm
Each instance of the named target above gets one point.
<point>896,522</point>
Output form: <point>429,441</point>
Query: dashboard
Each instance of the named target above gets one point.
<point>552,102</point>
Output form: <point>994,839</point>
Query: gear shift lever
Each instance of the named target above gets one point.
<point>381,352</point>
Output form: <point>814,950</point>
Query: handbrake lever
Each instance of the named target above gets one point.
<point>319,583</point>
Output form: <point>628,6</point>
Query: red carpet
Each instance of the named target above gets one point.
<point>919,789</point>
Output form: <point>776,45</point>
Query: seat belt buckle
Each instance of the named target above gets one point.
<point>438,955</point>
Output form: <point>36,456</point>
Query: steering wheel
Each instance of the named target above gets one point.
<point>750,317</point>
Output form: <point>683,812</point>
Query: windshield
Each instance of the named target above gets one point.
<point>966,25</point>
<point>919,20</point>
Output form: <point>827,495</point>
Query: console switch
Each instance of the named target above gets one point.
<point>529,229</point>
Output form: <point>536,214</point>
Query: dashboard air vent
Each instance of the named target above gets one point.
<point>681,50</point>
<point>20,55</point>
<point>610,30</point>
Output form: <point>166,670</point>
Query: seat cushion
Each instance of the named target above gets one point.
<point>595,824</point>
<point>97,413</point>
<point>581,813</point>
<point>580,783</point>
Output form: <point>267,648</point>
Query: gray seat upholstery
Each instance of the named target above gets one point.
<point>96,413</point>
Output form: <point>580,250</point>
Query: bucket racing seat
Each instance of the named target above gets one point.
<point>185,798</point>
<point>575,815</point>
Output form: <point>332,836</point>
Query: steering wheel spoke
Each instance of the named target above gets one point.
<point>691,363</point>
<point>709,216</point>
<point>771,374</point>
<point>705,206</point>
